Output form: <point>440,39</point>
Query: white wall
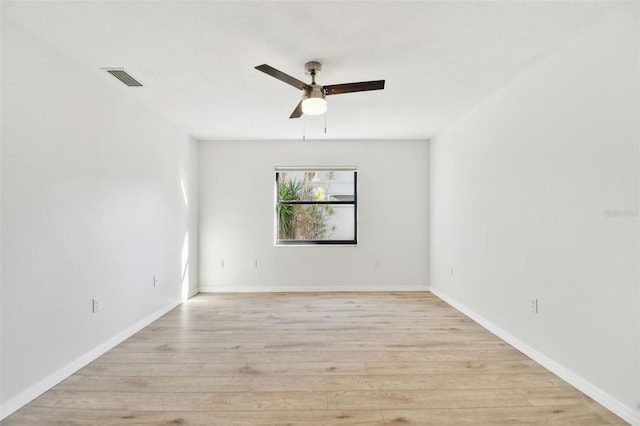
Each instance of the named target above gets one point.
<point>535,195</point>
<point>237,217</point>
<point>92,206</point>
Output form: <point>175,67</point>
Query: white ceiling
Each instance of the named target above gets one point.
<point>196,59</point>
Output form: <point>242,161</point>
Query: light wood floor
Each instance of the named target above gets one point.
<point>322,358</point>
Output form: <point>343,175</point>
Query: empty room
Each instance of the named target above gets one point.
<point>320,212</point>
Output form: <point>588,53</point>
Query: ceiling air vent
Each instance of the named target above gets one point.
<point>124,77</point>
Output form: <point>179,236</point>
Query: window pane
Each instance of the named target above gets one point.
<point>341,223</point>
<point>316,185</point>
<point>327,222</point>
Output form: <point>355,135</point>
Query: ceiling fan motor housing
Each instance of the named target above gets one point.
<point>314,91</point>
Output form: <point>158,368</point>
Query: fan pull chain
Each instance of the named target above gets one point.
<point>325,123</point>
<point>304,129</point>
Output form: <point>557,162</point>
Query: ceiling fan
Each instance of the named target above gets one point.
<point>313,99</point>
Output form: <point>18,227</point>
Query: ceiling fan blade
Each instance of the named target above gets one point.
<point>297,113</point>
<point>282,76</point>
<point>337,89</point>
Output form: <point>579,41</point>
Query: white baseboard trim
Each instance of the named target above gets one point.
<point>307,289</point>
<point>20,400</point>
<point>625,412</point>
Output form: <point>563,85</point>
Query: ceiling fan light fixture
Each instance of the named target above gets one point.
<point>314,102</point>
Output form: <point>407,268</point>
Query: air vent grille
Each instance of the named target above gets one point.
<point>124,77</point>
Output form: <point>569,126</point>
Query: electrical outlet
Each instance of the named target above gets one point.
<point>156,280</point>
<point>534,306</point>
<point>97,305</point>
<point>376,263</point>
<point>254,263</point>
<point>222,263</point>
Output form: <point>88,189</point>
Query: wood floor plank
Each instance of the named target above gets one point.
<point>222,369</point>
<point>416,399</point>
<point>278,383</point>
<point>480,382</point>
<point>380,356</point>
<point>495,416</point>
<point>84,417</point>
<point>149,384</point>
<point>176,401</point>
<point>313,359</point>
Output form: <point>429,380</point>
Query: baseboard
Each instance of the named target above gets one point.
<point>625,412</point>
<point>312,288</point>
<point>50,381</point>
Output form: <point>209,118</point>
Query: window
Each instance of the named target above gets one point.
<point>316,206</point>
